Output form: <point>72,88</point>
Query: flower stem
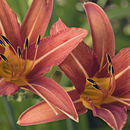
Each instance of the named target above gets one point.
<point>69,124</point>
<point>83,124</point>
<point>10,113</point>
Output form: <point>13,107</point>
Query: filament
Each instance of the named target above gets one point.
<point>35,55</point>
<point>36,91</point>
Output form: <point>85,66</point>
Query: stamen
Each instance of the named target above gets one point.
<point>26,47</point>
<point>120,100</point>
<point>96,86</point>
<point>112,70</point>
<point>12,61</point>
<point>38,41</point>
<point>19,58</point>
<point>3,57</point>
<point>112,79</point>
<point>122,72</point>
<point>19,52</point>
<point>8,43</point>
<point>36,91</point>
<point>2,44</point>
<point>109,68</point>
<point>26,43</point>
<point>91,81</point>
<point>6,60</point>
<point>35,55</point>
<point>109,59</point>
<point>6,40</point>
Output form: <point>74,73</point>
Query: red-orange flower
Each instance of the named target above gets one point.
<point>25,57</point>
<point>101,78</point>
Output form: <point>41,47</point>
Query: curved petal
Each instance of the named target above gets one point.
<point>54,94</point>
<point>9,25</point>
<point>101,30</point>
<point>7,88</point>
<point>42,113</point>
<point>121,63</point>
<point>74,94</point>
<point>39,113</point>
<point>57,27</point>
<point>54,49</point>
<point>79,65</point>
<point>37,19</point>
<point>115,116</point>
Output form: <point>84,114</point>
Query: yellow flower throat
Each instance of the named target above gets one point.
<point>14,68</point>
<point>98,90</point>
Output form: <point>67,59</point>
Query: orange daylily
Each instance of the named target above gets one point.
<point>101,78</point>
<point>25,57</point>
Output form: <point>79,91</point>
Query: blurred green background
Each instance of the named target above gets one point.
<point>72,14</point>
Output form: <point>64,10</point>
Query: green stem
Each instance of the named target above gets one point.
<point>69,124</point>
<point>10,113</point>
<point>83,124</point>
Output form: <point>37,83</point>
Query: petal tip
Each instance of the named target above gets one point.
<point>18,122</point>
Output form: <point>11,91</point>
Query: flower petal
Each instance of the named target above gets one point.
<point>54,94</point>
<point>37,19</point>
<point>9,25</point>
<point>122,60</point>
<point>7,88</point>
<point>54,49</point>
<point>115,116</point>
<point>39,113</point>
<point>57,27</point>
<point>79,65</point>
<point>42,113</point>
<point>101,30</point>
<point>121,63</point>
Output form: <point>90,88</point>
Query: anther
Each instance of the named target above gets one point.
<point>38,41</point>
<point>26,43</point>
<point>91,81</point>
<point>2,44</point>
<point>19,52</point>
<point>112,70</point>
<point>109,59</point>
<point>3,57</point>
<point>96,86</point>
<point>5,39</point>
<point>109,68</point>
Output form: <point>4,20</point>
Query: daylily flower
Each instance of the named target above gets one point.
<point>101,78</point>
<point>25,57</point>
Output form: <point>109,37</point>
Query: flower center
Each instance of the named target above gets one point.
<point>13,67</point>
<point>97,90</point>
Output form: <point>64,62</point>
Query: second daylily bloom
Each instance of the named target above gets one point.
<point>22,64</point>
<point>101,78</point>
